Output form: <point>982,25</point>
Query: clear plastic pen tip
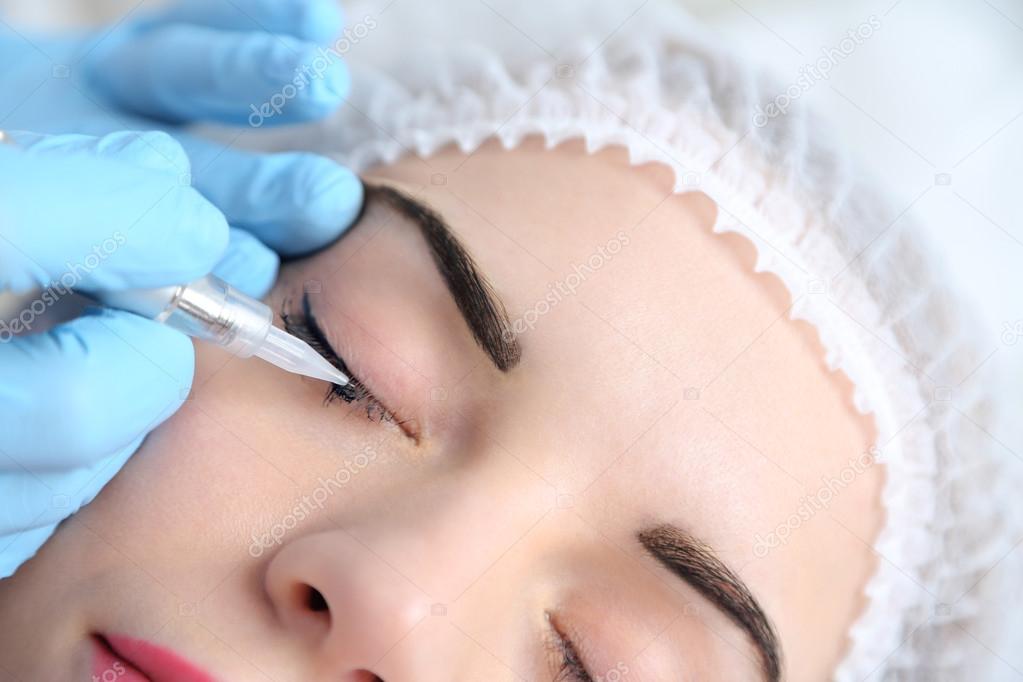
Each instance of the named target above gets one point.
<point>295,355</point>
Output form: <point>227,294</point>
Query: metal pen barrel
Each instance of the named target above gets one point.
<point>208,309</point>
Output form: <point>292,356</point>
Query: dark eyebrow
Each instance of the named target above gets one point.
<point>694,562</point>
<point>475,298</point>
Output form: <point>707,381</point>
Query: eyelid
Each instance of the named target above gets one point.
<point>306,328</point>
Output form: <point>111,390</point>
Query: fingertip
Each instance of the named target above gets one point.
<point>248,265</point>
<point>294,202</point>
<point>214,239</point>
<point>328,198</point>
<point>328,88</point>
<point>201,235</point>
<point>19,546</point>
<point>319,21</point>
<point>309,83</point>
<point>182,237</point>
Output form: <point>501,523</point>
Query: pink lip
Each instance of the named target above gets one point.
<point>106,665</point>
<point>134,660</point>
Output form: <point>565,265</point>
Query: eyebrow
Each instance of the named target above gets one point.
<point>479,305</point>
<point>694,562</point>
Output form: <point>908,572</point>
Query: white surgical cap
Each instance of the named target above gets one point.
<point>643,76</point>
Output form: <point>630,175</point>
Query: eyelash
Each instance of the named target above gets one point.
<point>306,328</point>
<point>571,668</point>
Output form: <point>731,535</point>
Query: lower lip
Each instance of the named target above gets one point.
<point>124,659</point>
<point>108,666</point>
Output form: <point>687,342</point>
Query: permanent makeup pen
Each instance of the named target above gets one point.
<point>212,310</point>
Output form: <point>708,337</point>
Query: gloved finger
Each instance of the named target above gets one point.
<point>294,202</point>
<point>78,218</point>
<point>304,198</point>
<point>89,387</point>
<point>21,544</point>
<point>248,265</point>
<point>182,73</point>
<point>317,21</point>
<point>36,502</point>
<point>153,149</point>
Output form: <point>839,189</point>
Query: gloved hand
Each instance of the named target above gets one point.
<point>139,210</point>
<point>213,61</point>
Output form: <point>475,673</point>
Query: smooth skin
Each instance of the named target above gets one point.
<point>669,386</point>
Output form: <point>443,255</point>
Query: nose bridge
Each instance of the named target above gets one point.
<point>444,535</point>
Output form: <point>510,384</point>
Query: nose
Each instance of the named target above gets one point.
<point>343,600</point>
<point>363,596</point>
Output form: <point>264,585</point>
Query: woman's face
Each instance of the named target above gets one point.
<point>661,480</point>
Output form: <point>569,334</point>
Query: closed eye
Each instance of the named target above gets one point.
<point>304,326</point>
<point>571,667</point>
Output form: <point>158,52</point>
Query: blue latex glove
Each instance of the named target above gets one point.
<point>133,209</point>
<point>203,61</point>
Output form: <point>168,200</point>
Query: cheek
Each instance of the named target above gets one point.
<point>271,414</point>
<point>188,500</point>
<point>281,420</point>
<point>229,468</point>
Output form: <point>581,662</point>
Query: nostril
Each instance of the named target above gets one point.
<point>315,601</point>
<point>315,608</point>
<point>310,607</point>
